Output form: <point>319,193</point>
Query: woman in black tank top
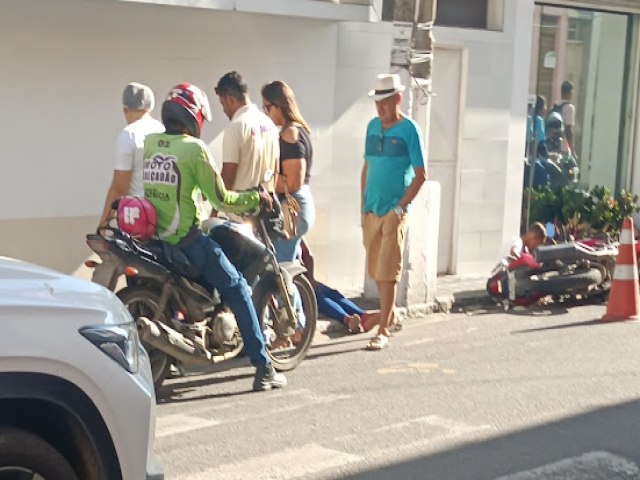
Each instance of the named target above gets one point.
<point>296,159</point>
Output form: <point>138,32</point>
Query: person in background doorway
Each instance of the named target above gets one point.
<point>560,134</point>
<point>567,111</point>
<point>392,175</point>
<point>536,144</point>
<point>250,145</point>
<point>539,131</point>
<point>137,104</point>
<point>296,160</point>
<point>536,125</point>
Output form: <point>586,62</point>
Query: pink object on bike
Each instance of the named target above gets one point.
<point>137,218</point>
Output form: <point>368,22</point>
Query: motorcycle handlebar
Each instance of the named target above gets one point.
<point>273,218</point>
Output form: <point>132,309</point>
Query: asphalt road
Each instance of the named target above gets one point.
<point>550,393</point>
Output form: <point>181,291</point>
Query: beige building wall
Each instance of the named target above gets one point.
<point>69,61</point>
<point>493,137</point>
<point>57,243</point>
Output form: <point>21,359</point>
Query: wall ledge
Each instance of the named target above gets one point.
<point>313,9</point>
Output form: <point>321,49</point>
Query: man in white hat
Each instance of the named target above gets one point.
<point>137,104</point>
<point>392,175</point>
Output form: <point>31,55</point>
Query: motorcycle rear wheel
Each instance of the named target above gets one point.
<point>143,302</point>
<point>287,358</point>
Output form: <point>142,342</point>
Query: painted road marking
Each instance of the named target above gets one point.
<point>180,423</point>
<point>418,342</point>
<point>590,466</point>
<point>451,427</point>
<point>414,367</point>
<point>290,463</point>
<point>172,424</point>
<point>448,430</point>
<point>310,459</point>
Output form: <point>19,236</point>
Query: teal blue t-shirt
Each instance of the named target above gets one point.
<point>391,156</point>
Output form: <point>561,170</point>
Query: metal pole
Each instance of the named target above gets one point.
<point>533,152</point>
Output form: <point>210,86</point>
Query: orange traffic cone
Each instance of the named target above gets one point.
<point>624,298</point>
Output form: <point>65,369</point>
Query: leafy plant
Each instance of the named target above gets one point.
<point>581,212</point>
<point>545,204</point>
<point>626,204</point>
<point>601,217</point>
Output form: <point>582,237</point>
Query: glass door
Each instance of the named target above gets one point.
<point>588,53</point>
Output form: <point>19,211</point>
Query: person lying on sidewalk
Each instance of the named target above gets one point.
<point>334,304</point>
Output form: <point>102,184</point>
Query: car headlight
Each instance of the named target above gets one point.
<point>120,342</point>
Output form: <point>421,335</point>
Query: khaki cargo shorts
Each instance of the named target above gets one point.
<point>384,242</point>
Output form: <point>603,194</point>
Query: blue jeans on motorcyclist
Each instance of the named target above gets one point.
<point>217,271</point>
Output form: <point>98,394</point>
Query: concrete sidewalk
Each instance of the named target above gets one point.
<point>461,291</point>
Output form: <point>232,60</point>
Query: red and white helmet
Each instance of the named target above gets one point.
<point>187,99</point>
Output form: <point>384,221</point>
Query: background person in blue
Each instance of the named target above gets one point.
<point>392,175</point>
<point>536,127</point>
<point>536,142</point>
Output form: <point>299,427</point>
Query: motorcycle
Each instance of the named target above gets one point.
<point>565,270</point>
<point>179,318</point>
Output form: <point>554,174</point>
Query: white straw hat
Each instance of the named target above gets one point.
<point>387,84</point>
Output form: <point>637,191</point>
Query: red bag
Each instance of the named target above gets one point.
<point>137,217</point>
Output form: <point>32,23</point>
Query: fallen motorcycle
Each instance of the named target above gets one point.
<point>179,318</point>
<point>562,271</point>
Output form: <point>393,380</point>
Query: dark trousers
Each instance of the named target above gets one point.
<point>216,269</point>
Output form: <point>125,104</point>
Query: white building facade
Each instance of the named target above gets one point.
<point>65,63</point>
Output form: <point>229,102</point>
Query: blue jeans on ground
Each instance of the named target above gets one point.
<point>287,250</point>
<point>216,269</point>
<point>334,305</point>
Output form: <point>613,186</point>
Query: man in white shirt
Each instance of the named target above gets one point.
<point>250,146</point>
<point>568,112</point>
<point>137,104</point>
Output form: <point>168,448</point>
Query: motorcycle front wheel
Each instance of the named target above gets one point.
<point>143,302</point>
<point>286,352</point>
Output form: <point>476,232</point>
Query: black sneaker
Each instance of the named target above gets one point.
<point>267,378</point>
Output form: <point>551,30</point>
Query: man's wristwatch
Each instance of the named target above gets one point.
<point>399,211</point>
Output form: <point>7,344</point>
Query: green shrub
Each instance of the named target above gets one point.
<point>579,211</point>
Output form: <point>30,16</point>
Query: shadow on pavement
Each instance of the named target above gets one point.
<point>179,390</point>
<point>532,311</point>
<point>586,323</point>
<point>316,356</point>
<point>612,429</point>
<point>349,338</point>
<point>546,309</point>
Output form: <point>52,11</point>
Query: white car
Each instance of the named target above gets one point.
<point>76,395</point>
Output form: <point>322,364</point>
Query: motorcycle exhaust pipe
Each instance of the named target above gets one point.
<point>175,344</point>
